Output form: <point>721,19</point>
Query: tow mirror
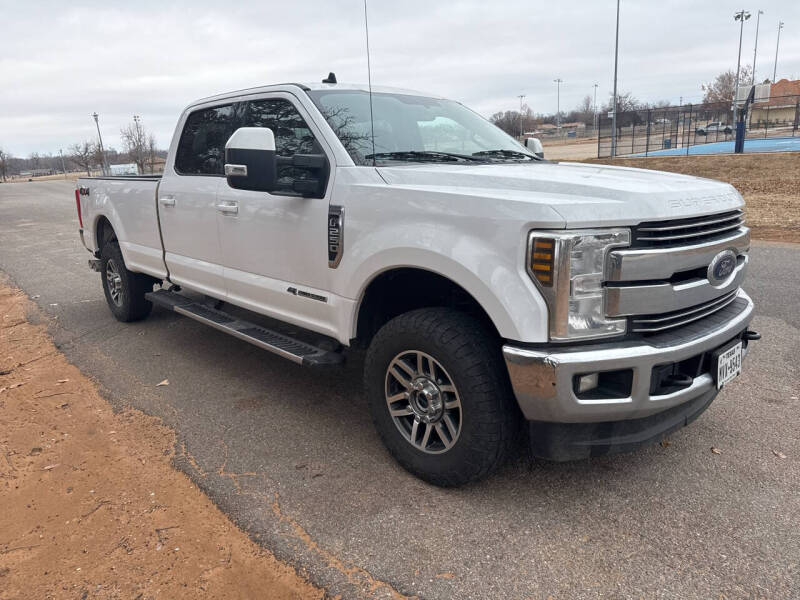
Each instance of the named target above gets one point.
<point>250,161</point>
<point>535,146</point>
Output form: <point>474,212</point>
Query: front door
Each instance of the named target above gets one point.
<point>274,245</point>
<point>187,201</point>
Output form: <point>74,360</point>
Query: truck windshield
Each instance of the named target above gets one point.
<point>414,129</point>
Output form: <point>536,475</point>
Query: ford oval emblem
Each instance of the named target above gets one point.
<point>722,267</point>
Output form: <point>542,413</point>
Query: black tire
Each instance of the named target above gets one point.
<point>127,302</point>
<point>470,356</point>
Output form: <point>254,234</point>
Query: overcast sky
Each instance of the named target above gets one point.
<point>60,60</point>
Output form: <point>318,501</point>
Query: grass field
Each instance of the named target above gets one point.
<point>770,184</point>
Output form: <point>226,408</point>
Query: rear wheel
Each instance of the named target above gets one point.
<point>439,396</point>
<point>124,289</point>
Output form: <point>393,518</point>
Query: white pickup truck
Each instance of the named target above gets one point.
<point>599,306</point>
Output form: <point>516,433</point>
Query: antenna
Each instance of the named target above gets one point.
<point>369,83</point>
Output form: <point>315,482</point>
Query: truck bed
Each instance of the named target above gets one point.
<point>128,201</point>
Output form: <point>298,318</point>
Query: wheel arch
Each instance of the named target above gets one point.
<point>397,290</point>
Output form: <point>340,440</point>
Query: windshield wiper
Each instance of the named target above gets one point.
<point>513,154</point>
<point>423,155</point>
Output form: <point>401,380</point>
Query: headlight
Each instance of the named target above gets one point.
<point>568,268</point>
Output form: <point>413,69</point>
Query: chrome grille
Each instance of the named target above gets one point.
<point>661,322</point>
<point>675,232</point>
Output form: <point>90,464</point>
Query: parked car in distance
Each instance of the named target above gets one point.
<point>715,127</point>
<point>597,307</point>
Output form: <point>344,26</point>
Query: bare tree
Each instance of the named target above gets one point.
<point>151,151</point>
<point>4,157</point>
<point>626,102</point>
<point>135,140</point>
<point>514,121</point>
<point>724,85</point>
<point>585,111</point>
<point>84,155</point>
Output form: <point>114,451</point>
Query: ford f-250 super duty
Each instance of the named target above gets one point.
<point>598,305</point>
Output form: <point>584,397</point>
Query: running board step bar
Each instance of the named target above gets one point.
<point>278,343</point>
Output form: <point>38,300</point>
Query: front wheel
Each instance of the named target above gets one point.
<point>439,396</point>
<point>125,290</point>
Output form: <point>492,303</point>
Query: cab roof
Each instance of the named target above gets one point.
<point>312,86</point>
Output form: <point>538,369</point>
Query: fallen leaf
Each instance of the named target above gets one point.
<point>165,382</point>
<point>62,381</point>
<point>446,575</point>
<point>15,385</point>
<point>665,443</point>
<point>2,389</point>
<point>779,454</point>
<point>35,297</point>
<point>50,467</point>
<point>716,450</point>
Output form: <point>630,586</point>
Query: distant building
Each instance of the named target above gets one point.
<point>124,169</point>
<point>782,105</point>
<point>157,164</point>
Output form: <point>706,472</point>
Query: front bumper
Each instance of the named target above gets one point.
<point>542,378</point>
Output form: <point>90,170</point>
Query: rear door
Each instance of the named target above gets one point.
<point>187,199</point>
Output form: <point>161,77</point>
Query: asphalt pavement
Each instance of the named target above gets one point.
<point>291,456</point>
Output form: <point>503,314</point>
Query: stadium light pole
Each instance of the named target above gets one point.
<point>521,127</point>
<point>775,70</point>
<point>558,83</point>
<point>741,16</point>
<point>755,47</point>
<point>100,137</point>
<point>614,96</point>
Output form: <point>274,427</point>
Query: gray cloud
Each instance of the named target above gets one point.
<point>61,61</point>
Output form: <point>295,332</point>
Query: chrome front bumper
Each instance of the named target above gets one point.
<point>543,378</point>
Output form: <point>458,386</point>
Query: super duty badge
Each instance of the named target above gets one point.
<point>335,235</point>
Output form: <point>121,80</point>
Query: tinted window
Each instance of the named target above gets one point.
<point>292,135</point>
<point>201,150</point>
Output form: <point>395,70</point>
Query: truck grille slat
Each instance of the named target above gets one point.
<point>675,231</point>
<point>657,323</point>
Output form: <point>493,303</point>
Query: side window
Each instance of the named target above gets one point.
<point>201,149</point>
<point>292,134</point>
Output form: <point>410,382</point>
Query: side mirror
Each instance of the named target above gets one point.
<point>535,146</point>
<point>250,161</point>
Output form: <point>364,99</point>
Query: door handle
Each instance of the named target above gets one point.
<point>167,200</point>
<point>228,208</point>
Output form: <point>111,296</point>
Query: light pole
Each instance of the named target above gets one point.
<point>594,122</point>
<point>100,137</point>
<point>63,170</point>
<point>775,70</point>
<point>614,97</point>
<point>521,126</point>
<point>740,16</point>
<point>755,48</point>
<point>558,83</point>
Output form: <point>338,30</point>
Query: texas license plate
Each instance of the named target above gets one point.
<point>729,364</point>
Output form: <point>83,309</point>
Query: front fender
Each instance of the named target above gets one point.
<point>495,279</point>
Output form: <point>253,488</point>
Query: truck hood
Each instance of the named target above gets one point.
<point>585,195</point>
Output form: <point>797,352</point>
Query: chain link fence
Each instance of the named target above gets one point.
<point>680,127</point>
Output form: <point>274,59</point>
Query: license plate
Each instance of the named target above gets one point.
<point>729,364</point>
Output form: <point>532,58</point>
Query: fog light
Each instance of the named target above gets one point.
<point>587,382</point>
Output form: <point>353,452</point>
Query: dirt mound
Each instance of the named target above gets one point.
<point>770,184</point>
<point>92,507</point>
